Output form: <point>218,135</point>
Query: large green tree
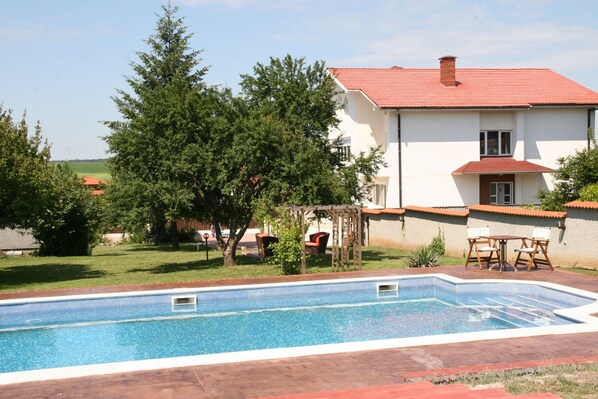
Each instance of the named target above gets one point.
<point>160,116</point>
<point>308,171</point>
<point>273,149</point>
<point>24,172</point>
<point>574,173</point>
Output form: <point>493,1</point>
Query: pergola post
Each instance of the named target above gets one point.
<point>303,257</point>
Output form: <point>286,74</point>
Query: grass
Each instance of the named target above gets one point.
<point>573,381</point>
<point>146,264</point>
<point>581,270</point>
<point>96,168</point>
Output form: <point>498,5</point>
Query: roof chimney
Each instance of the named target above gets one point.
<point>447,71</point>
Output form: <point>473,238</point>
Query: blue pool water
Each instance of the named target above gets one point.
<point>50,334</point>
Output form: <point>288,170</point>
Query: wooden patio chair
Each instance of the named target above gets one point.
<point>536,248</point>
<point>481,249</point>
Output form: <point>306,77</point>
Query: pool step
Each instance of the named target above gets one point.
<point>418,390</point>
<point>519,311</point>
<point>530,314</point>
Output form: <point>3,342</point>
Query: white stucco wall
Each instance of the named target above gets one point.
<point>497,120</point>
<point>435,144</point>
<point>553,133</point>
<point>361,122</point>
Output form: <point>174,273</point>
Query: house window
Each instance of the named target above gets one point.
<point>379,195</point>
<point>495,142</point>
<point>501,193</point>
<point>344,150</point>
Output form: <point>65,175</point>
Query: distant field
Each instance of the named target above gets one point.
<point>95,168</point>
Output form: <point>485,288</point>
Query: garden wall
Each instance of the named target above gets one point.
<point>573,234</point>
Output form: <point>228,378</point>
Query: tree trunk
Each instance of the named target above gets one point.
<point>229,245</point>
<point>159,231</point>
<point>230,255</point>
<point>174,236</point>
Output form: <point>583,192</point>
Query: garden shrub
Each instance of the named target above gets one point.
<point>423,256</point>
<point>69,226</point>
<point>287,251</point>
<point>438,244</point>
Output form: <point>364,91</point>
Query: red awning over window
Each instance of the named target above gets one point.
<point>500,165</point>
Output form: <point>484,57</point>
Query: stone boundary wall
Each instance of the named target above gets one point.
<point>573,234</point>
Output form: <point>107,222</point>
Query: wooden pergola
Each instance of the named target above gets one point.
<point>346,233</point>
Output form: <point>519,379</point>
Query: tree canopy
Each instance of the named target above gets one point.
<point>574,174</point>
<point>45,197</point>
<point>24,172</point>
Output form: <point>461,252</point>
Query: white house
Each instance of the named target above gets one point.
<point>455,137</point>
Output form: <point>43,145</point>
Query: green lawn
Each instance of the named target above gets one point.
<point>95,168</point>
<point>143,264</point>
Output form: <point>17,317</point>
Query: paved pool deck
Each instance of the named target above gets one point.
<point>326,372</point>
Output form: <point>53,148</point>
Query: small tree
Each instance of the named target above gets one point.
<point>69,225</point>
<point>574,173</point>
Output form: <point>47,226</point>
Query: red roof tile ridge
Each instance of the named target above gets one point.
<point>394,68</point>
<point>438,211</point>
<point>582,204</point>
<point>517,211</point>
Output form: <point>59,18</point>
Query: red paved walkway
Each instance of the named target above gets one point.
<point>328,372</point>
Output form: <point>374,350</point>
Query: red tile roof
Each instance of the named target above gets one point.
<point>517,211</point>
<point>488,166</point>
<point>438,211</point>
<point>372,211</point>
<point>476,88</point>
<point>582,205</point>
<point>92,181</point>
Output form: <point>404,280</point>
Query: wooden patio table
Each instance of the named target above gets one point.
<point>502,247</point>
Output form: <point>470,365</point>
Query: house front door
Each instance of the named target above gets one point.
<point>501,193</point>
<point>497,189</point>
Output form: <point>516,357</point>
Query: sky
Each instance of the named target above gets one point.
<point>62,61</point>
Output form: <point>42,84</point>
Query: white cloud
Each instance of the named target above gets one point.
<point>477,35</point>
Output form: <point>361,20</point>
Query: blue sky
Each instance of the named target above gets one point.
<point>62,60</point>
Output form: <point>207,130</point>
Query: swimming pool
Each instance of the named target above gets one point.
<point>68,336</point>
